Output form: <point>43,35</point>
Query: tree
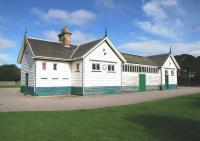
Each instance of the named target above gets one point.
<point>9,73</point>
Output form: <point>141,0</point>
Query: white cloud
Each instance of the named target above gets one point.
<point>6,43</point>
<point>4,58</point>
<point>51,35</point>
<point>78,17</point>
<point>150,47</point>
<point>161,22</point>
<point>78,37</point>
<point>156,28</point>
<point>156,8</point>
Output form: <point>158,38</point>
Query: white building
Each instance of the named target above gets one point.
<point>97,67</point>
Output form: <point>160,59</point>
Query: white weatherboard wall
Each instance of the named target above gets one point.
<point>53,78</point>
<point>76,75</point>
<point>102,78</point>
<point>169,65</point>
<point>28,66</point>
<point>132,78</point>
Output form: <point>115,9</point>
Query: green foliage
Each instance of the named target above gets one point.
<point>9,73</point>
<point>176,119</point>
<point>190,69</point>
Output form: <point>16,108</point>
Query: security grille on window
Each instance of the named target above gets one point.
<point>44,66</point>
<point>95,67</point>
<point>111,68</point>
<point>54,66</point>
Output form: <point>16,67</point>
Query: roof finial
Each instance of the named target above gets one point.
<point>25,32</point>
<point>170,51</point>
<point>106,33</point>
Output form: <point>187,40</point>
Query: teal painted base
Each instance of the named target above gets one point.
<point>130,89</point>
<point>77,90</point>
<point>102,90</point>
<point>48,91</point>
<point>152,87</point>
<point>30,90</point>
<point>170,87</point>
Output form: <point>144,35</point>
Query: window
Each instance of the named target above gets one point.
<point>125,68</point>
<point>95,67</point>
<point>54,66</point>
<point>166,72</point>
<point>172,73</point>
<point>77,67</point>
<point>43,66</point>
<point>111,68</point>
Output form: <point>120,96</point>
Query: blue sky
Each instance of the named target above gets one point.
<point>142,27</point>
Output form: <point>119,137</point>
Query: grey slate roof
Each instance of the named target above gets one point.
<point>136,59</point>
<point>54,49</point>
<point>159,59</point>
<point>50,49</point>
<point>84,48</point>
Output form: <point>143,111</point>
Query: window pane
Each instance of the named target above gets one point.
<point>98,66</point>
<point>55,66</point>
<point>93,66</point>
<point>109,67</point>
<point>125,68</point>
<point>113,68</point>
<point>44,66</point>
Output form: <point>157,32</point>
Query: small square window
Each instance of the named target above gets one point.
<point>111,68</point>
<point>95,67</point>
<point>43,66</point>
<point>54,66</point>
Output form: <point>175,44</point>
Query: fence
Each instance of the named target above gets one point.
<point>7,83</point>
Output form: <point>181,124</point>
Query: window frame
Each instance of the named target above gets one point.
<point>111,68</point>
<point>55,66</point>
<point>96,67</point>
<point>44,65</point>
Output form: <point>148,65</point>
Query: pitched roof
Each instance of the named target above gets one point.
<point>50,49</point>
<point>136,59</point>
<point>84,48</point>
<point>159,59</point>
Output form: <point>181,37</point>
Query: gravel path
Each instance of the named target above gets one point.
<point>12,100</point>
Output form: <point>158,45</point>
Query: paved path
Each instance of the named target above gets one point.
<point>12,100</point>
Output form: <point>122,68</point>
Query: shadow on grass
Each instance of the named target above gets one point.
<point>170,128</point>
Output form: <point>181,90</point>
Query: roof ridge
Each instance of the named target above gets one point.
<point>132,54</point>
<point>42,39</point>
<point>91,41</point>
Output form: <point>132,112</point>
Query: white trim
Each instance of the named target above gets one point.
<point>50,58</point>
<point>110,44</point>
<point>73,52</point>
<point>175,62</point>
<point>29,46</point>
<point>139,64</point>
<point>19,58</point>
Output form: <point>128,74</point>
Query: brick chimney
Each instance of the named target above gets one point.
<point>65,37</point>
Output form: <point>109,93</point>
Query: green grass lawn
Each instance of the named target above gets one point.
<point>176,119</point>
